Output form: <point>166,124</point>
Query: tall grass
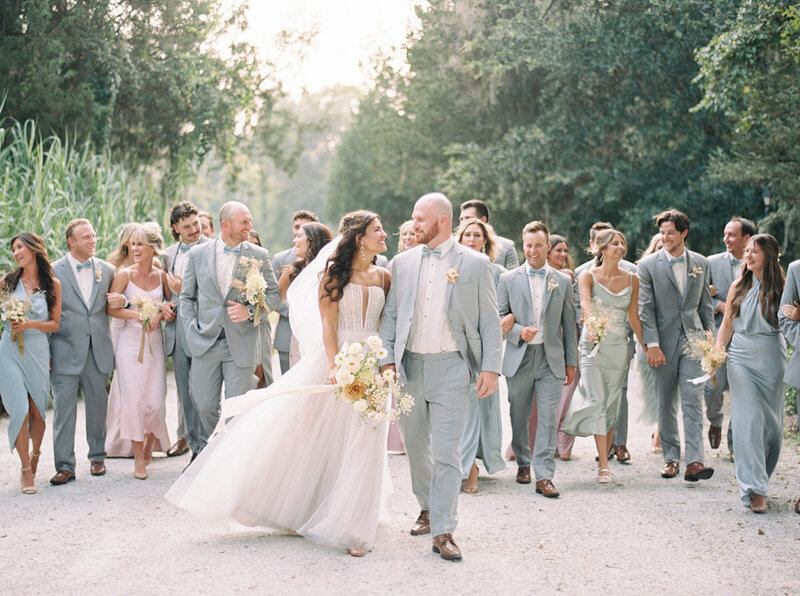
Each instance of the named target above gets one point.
<point>44,183</point>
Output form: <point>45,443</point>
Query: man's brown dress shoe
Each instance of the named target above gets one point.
<point>696,471</point>
<point>546,489</point>
<point>622,453</point>
<point>62,477</point>
<point>670,469</point>
<point>797,506</point>
<point>714,436</point>
<point>758,503</point>
<point>178,448</point>
<point>524,475</point>
<point>98,468</point>
<point>443,544</point>
<point>423,524</point>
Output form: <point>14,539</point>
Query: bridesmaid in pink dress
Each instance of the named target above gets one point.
<point>142,385</point>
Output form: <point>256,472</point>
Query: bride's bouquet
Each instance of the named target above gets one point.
<point>703,348</point>
<point>252,284</point>
<point>598,324</point>
<point>359,383</point>
<point>15,310</point>
<point>147,309</point>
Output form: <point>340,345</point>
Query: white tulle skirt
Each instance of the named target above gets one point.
<point>296,461</point>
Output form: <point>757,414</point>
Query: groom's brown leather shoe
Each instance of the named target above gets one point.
<point>670,469</point>
<point>546,489</point>
<point>696,471</point>
<point>443,545</point>
<point>98,468</point>
<point>714,436</point>
<point>797,506</point>
<point>423,524</point>
<point>62,477</point>
<point>524,475</point>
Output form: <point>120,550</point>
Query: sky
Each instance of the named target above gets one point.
<point>349,32</point>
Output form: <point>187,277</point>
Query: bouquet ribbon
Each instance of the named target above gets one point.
<point>703,379</point>
<point>20,339</point>
<point>145,334</point>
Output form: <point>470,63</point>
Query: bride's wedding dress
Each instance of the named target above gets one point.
<point>298,460</point>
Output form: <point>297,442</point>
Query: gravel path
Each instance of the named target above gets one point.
<point>116,535</point>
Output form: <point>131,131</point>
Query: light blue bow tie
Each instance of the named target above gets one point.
<point>235,251</point>
<point>680,259</point>
<point>85,265</point>
<point>536,272</point>
<point>735,261</point>
<point>432,251</point>
<point>185,247</point>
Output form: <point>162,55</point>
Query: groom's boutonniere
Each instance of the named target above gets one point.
<point>98,274</point>
<point>452,275</point>
<point>695,271</point>
<point>552,285</point>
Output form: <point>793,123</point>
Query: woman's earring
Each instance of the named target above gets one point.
<point>363,254</point>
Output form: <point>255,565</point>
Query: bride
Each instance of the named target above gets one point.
<point>290,456</point>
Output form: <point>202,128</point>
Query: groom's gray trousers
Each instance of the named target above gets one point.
<point>432,432</point>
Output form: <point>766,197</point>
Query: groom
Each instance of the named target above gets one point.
<point>220,333</point>
<point>674,305</point>
<point>440,326</point>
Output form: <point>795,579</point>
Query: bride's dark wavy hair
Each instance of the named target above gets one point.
<point>340,266</point>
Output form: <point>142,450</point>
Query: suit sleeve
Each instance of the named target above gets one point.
<point>568,327</point>
<point>504,307</point>
<point>576,300</point>
<point>188,295</point>
<point>647,306</point>
<point>706,307</point>
<point>714,299</point>
<point>489,322</point>
<point>790,328</point>
<point>283,307</point>
<point>273,293</point>
<point>511,260</point>
<point>389,319</point>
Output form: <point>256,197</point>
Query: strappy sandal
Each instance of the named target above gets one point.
<point>604,476</point>
<point>356,552</point>
<point>469,487</point>
<point>30,489</point>
<point>34,462</point>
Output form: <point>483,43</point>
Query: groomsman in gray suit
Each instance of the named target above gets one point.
<point>789,321</point>
<point>283,331</point>
<point>507,256</point>
<point>619,444</point>
<point>674,304</point>
<point>440,327</point>
<point>81,354</point>
<point>186,230</point>
<point>723,268</point>
<point>541,353</point>
<point>223,341</point>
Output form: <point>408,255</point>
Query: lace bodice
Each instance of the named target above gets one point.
<point>355,321</point>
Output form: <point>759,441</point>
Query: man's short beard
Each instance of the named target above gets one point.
<point>430,235</point>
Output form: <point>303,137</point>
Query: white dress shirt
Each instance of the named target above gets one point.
<point>538,286</point>
<point>225,264</point>
<point>430,332</point>
<point>85,277</point>
<point>679,270</point>
<point>181,259</point>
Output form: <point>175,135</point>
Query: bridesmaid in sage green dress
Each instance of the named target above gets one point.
<point>25,365</point>
<point>606,288</point>
<point>483,433</point>
<point>750,325</point>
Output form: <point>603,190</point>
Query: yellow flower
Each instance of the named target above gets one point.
<point>452,275</point>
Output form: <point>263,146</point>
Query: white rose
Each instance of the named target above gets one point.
<point>354,349</point>
<point>374,342</point>
<point>361,405</point>
<point>344,377</point>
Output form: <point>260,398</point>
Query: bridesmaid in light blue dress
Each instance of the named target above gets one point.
<point>594,409</point>
<point>750,325</point>
<point>25,368</point>
<point>483,434</point>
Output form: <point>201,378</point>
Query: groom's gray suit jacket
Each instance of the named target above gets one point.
<point>204,308</point>
<point>82,328</point>
<point>665,314</point>
<point>471,309</point>
<point>176,327</point>
<point>790,328</point>
<point>558,318</point>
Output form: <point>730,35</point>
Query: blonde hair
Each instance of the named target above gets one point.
<point>490,248</point>
<point>150,234</point>
<point>122,253</point>
<point>602,240</point>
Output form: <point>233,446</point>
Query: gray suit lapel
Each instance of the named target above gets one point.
<point>415,265</point>
<point>95,283</point>
<point>66,273</point>
<point>171,255</point>
<point>455,263</point>
<point>663,261</point>
<point>211,261</point>
<point>728,273</point>
<point>690,279</point>
<point>547,293</point>
<point>525,289</point>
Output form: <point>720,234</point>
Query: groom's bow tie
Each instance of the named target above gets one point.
<point>432,251</point>
<point>735,261</point>
<point>85,265</point>
<point>235,251</point>
<point>680,259</point>
<point>536,272</point>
